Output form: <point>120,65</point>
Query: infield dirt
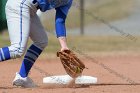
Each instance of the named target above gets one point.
<point>115,73</point>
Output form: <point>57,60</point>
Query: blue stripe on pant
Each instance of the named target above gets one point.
<point>21,7</point>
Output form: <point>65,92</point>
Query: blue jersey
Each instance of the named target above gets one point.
<point>50,4</point>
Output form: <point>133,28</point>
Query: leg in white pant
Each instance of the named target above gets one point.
<point>22,22</point>
<point>18,20</point>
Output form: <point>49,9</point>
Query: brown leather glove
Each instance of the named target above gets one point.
<point>72,65</point>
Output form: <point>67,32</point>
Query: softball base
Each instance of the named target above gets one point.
<point>66,79</point>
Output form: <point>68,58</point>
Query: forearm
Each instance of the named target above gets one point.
<point>61,29</point>
<point>61,34</point>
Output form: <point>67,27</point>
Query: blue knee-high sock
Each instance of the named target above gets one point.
<point>4,54</point>
<point>29,59</point>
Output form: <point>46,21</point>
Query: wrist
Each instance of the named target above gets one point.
<point>63,43</point>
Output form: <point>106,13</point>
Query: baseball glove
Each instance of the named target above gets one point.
<point>72,65</point>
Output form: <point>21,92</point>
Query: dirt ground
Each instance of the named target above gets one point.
<point>115,73</point>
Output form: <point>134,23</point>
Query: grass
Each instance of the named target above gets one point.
<point>98,43</point>
<point>88,43</point>
<point>108,10</point>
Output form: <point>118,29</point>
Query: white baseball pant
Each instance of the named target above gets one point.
<point>23,23</point>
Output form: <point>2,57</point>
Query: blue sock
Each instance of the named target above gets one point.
<point>4,54</point>
<point>29,59</point>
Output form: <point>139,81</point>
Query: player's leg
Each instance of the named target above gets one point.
<point>18,21</point>
<point>20,79</point>
<point>40,41</point>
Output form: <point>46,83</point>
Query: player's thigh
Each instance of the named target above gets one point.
<point>37,33</point>
<point>18,20</point>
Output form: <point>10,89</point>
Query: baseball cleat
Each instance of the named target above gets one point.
<point>23,82</point>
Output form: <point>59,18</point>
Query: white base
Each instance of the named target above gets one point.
<point>66,79</point>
